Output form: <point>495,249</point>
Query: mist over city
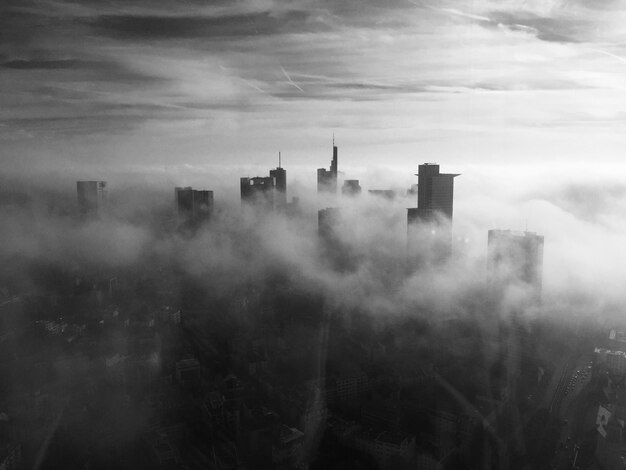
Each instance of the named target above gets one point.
<point>312,235</point>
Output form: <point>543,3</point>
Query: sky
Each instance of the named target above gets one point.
<point>185,87</point>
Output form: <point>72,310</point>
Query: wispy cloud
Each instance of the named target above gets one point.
<point>291,82</point>
<point>448,69</point>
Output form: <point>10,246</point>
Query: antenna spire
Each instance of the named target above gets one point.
<point>279,160</point>
<point>333,139</point>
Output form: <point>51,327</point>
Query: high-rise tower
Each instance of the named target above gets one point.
<point>435,194</point>
<point>351,188</point>
<point>269,192</point>
<point>327,179</point>
<point>430,223</point>
<point>194,204</point>
<point>280,178</point>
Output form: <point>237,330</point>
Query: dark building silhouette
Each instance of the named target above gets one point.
<point>435,194</point>
<point>351,188</point>
<point>327,179</point>
<point>194,204</point>
<point>516,257</point>
<point>259,190</point>
<point>430,224</point>
<point>91,195</point>
<point>280,181</point>
<point>269,192</point>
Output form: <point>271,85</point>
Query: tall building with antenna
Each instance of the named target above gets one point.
<point>269,192</point>
<point>280,177</point>
<point>327,179</point>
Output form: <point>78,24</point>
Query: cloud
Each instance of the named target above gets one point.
<point>197,73</point>
<point>373,276</point>
<point>172,27</point>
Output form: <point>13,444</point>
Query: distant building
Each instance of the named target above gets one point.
<point>429,225</point>
<point>384,193</point>
<point>259,190</point>
<point>516,257</point>
<point>615,361</point>
<point>610,439</point>
<point>327,179</point>
<point>351,188</point>
<point>269,192</point>
<point>435,195</point>
<point>280,195</point>
<point>617,339</point>
<point>280,185</point>
<point>91,196</point>
<point>194,204</point>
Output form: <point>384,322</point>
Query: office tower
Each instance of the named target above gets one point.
<point>269,192</point>
<point>516,258</point>
<point>91,195</point>
<point>327,179</point>
<point>429,225</point>
<point>193,203</point>
<point>259,190</point>
<point>435,193</point>
<point>351,188</point>
<point>280,177</point>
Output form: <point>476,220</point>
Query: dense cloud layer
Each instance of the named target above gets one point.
<point>243,246</point>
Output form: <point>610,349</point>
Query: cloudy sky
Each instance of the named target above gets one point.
<point>190,85</point>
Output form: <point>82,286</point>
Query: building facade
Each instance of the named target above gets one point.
<point>327,179</point>
<point>429,225</point>
<point>193,203</point>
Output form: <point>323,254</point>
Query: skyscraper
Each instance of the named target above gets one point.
<point>193,203</point>
<point>259,190</point>
<point>269,192</point>
<point>327,179</point>
<point>435,194</point>
<point>430,224</point>
<point>91,195</point>
<point>280,177</point>
<point>351,188</point>
<point>516,258</point>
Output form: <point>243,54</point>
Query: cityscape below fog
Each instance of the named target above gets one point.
<point>251,337</point>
